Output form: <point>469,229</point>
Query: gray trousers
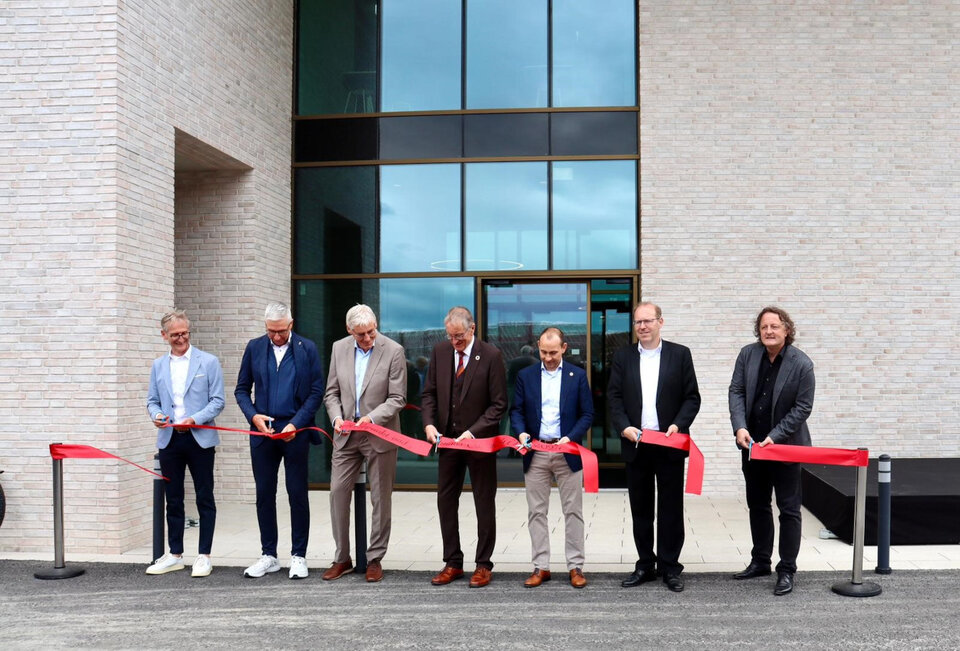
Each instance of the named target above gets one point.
<point>544,467</point>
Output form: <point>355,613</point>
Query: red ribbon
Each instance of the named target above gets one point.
<point>487,445</point>
<point>809,454</point>
<point>591,472</point>
<point>408,443</point>
<point>65,451</point>
<point>679,441</point>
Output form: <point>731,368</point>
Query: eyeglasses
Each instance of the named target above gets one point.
<point>645,322</point>
<point>277,333</point>
<point>178,335</point>
<point>460,337</point>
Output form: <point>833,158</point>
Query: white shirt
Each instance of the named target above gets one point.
<point>550,403</point>
<point>278,351</point>
<point>179,366</point>
<point>649,380</point>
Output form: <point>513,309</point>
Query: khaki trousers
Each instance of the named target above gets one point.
<point>544,467</point>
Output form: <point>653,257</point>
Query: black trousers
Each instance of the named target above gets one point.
<point>181,453</point>
<point>763,478</point>
<point>266,458</point>
<point>451,470</point>
<point>657,473</point>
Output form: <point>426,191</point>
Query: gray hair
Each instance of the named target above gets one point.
<point>171,316</point>
<point>277,312</point>
<point>359,315</point>
<point>460,316</point>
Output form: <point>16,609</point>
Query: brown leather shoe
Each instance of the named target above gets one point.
<point>337,570</point>
<point>538,577</point>
<point>447,574</point>
<point>576,578</point>
<point>481,577</point>
<point>374,571</point>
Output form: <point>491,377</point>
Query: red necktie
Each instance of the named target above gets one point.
<point>460,368</point>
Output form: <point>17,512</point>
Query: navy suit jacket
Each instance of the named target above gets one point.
<point>678,396</point>
<point>576,408</point>
<point>792,394</point>
<point>255,371</point>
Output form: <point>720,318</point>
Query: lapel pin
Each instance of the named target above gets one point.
<point>571,373</point>
<point>477,358</point>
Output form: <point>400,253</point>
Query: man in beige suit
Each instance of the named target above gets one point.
<point>367,383</point>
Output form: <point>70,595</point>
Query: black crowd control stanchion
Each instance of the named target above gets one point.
<point>856,587</point>
<point>158,504</point>
<point>60,570</point>
<point>883,514</point>
<point>360,518</point>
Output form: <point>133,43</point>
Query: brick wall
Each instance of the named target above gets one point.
<point>805,154</point>
<point>93,95</point>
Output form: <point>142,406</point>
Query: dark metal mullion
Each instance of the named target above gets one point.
<point>549,53</point>
<point>549,216</point>
<point>379,109</point>
<point>463,105</point>
<point>549,135</point>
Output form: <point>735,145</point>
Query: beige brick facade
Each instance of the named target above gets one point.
<point>94,95</point>
<point>803,154</point>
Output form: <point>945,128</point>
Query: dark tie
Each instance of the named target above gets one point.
<point>460,363</point>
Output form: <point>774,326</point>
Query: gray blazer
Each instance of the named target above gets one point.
<point>792,393</point>
<point>382,395</point>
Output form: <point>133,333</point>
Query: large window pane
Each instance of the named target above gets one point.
<point>594,53</point>
<point>410,311</point>
<point>335,220</point>
<point>506,53</point>
<point>420,218</point>
<point>337,56</point>
<point>506,216</point>
<point>421,55</point>
<point>595,215</point>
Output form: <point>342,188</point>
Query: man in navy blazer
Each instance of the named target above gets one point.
<point>653,386</point>
<point>285,369</point>
<point>186,388</point>
<point>553,403</point>
<point>771,397</point>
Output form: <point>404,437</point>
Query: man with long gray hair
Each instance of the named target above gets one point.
<point>367,383</point>
<point>285,368</point>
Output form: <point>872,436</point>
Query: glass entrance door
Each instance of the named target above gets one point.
<point>595,318</point>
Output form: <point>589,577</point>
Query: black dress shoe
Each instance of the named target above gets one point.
<point>638,577</point>
<point>753,570</point>
<point>674,582</point>
<point>784,583</point>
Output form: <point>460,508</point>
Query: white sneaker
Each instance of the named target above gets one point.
<point>264,565</point>
<point>166,563</point>
<point>298,567</point>
<point>202,566</point>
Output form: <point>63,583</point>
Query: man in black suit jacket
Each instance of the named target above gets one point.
<point>464,397</point>
<point>771,397</point>
<point>653,386</point>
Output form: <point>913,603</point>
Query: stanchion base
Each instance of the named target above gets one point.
<point>883,570</point>
<point>59,573</point>
<point>851,589</point>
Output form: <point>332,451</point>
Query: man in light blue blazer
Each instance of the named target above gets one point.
<point>186,388</point>
<point>553,403</point>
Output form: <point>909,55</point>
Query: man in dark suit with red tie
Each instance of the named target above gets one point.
<point>653,386</point>
<point>464,397</point>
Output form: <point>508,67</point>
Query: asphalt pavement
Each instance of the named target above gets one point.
<point>117,606</point>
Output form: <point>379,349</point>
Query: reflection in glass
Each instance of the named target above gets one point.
<point>336,56</point>
<point>506,216</point>
<point>595,215</point>
<point>420,63</point>
<point>420,218</point>
<point>594,53</point>
<point>335,220</point>
<point>506,54</point>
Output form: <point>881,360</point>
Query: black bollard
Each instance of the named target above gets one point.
<point>883,515</point>
<point>60,569</point>
<point>158,507</point>
<point>360,518</point>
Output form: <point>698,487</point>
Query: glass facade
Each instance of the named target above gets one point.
<point>443,148</point>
